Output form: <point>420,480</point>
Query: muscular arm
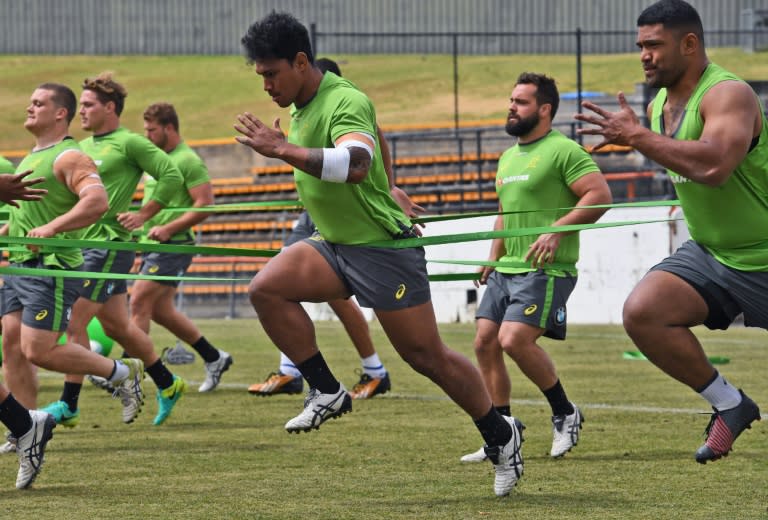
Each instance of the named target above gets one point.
<point>731,116</point>
<point>80,175</point>
<point>202,195</point>
<point>730,111</point>
<point>271,142</point>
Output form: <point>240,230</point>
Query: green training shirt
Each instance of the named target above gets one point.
<point>536,178</point>
<point>194,172</point>
<point>122,156</point>
<point>344,213</point>
<point>730,221</point>
<point>6,166</point>
<point>59,200</point>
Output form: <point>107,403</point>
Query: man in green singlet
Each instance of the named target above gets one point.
<point>36,308</point>
<point>122,157</point>
<point>709,131</point>
<point>154,300</point>
<point>340,177</point>
<point>542,175</point>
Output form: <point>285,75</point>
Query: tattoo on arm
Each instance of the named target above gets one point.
<point>314,164</point>
<point>359,163</point>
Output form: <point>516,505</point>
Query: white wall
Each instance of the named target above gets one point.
<point>612,260</point>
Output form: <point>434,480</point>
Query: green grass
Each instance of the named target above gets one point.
<point>226,455</point>
<point>209,91</point>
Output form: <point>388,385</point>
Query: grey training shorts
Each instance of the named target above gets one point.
<point>45,302</point>
<point>380,278</point>
<point>105,261</point>
<point>727,291</point>
<point>534,298</point>
<point>166,264</point>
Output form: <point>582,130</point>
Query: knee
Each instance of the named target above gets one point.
<point>485,344</point>
<point>634,315</point>
<point>140,305</point>
<point>34,355</point>
<point>422,361</point>
<point>258,292</point>
<point>513,343</point>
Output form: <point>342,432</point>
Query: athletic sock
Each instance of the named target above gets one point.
<point>504,410</point>
<point>208,352</point>
<point>495,430</point>
<point>160,374</point>
<point>558,401</point>
<point>119,372</point>
<point>315,370</point>
<point>71,394</point>
<point>373,366</point>
<point>15,417</point>
<point>287,367</point>
<point>720,393</point>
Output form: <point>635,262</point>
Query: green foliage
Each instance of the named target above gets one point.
<point>226,455</point>
<point>209,91</point>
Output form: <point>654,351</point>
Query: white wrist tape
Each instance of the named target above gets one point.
<point>336,160</point>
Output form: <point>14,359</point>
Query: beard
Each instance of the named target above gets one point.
<point>523,126</point>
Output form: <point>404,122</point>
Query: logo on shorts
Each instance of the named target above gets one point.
<point>400,292</point>
<point>530,309</point>
<point>154,268</point>
<point>86,283</point>
<point>317,237</point>
<point>40,316</point>
<point>110,287</point>
<point>560,316</point>
<point>68,313</point>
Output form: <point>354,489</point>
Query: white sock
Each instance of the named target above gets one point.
<point>721,394</point>
<point>287,367</point>
<point>121,372</point>
<point>373,366</point>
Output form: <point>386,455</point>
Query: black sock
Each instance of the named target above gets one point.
<point>558,401</point>
<point>318,375</point>
<point>504,410</point>
<point>71,394</point>
<point>208,352</point>
<point>160,375</point>
<point>15,417</point>
<point>495,430</point>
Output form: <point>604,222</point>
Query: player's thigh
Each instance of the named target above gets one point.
<point>299,273</point>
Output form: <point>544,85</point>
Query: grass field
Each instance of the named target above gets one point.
<point>209,91</point>
<point>226,455</point>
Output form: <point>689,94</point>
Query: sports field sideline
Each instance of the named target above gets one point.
<point>226,454</point>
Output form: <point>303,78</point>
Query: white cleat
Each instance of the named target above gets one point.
<point>475,456</point>
<point>30,447</point>
<point>318,408</point>
<point>214,370</point>
<point>507,460</point>
<point>565,432</point>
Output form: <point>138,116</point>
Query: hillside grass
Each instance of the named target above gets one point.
<point>209,91</point>
<point>226,454</point>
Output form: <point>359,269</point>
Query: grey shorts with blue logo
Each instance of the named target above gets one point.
<point>105,261</point>
<point>45,302</point>
<point>166,264</point>
<point>534,298</point>
<point>380,278</point>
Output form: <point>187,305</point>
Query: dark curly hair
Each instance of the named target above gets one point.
<point>276,36</point>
